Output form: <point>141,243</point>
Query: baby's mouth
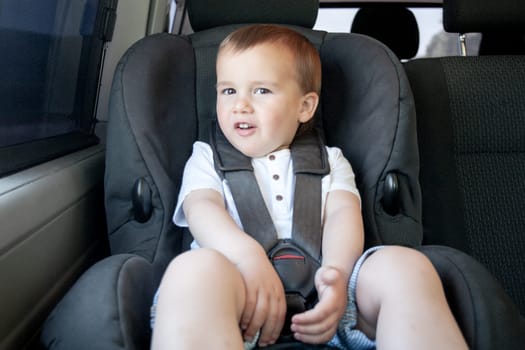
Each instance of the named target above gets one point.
<point>243,126</point>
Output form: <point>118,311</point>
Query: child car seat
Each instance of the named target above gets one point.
<point>163,99</point>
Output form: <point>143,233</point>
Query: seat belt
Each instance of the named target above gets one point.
<point>295,259</point>
<point>310,164</point>
<point>237,169</point>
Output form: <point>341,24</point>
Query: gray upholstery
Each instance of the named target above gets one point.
<point>111,308</point>
<point>376,131</point>
<point>146,110</point>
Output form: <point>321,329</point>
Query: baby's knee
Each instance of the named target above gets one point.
<point>196,267</point>
<point>400,257</point>
<point>197,261</point>
<point>396,264</point>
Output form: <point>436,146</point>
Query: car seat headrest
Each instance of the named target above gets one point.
<point>467,16</point>
<point>205,14</point>
<point>393,25</point>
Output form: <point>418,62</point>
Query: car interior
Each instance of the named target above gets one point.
<point>436,144</point>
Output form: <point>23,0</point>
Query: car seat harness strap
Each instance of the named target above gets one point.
<point>295,259</point>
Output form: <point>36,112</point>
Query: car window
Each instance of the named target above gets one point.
<point>51,54</point>
<point>433,40</point>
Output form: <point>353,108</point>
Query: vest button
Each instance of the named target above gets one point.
<point>271,157</point>
<point>279,197</point>
<point>275,177</point>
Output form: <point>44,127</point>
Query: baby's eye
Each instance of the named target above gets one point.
<point>261,91</point>
<point>228,91</point>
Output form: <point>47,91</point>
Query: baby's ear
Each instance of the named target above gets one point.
<point>308,106</point>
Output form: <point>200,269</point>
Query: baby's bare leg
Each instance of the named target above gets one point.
<point>402,303</point>
<point>201,299</point>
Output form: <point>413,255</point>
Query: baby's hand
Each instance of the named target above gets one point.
<point>319,324</point>
<point>265,307</point>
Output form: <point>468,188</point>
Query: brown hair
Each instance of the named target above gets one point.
<point>307,59</point>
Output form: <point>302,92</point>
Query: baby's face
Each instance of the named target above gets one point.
<point>259,101</point>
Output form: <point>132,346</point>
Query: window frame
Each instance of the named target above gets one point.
<point>17,157</point>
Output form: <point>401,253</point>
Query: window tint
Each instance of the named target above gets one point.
<point>50,58</point>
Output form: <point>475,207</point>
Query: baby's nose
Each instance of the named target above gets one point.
<point>242,104</point>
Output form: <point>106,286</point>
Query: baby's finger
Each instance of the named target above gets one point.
<point>319,338</point>
<point>274,322</point>
<point>321,326</point>
<point>249,309</point>
<point>318,314</point>
<point>260,314</point>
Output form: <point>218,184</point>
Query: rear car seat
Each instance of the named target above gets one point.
<point>392,24</point>
<point>471,134</point>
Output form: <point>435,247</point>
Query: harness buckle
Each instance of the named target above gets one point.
<point>296,269</point>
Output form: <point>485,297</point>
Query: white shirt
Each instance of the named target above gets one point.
<point>274,174</point>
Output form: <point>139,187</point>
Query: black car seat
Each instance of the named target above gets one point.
<point>392,24</point>
<point>163,99</point>
<point>471,133</point>
<point>503,42</point>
